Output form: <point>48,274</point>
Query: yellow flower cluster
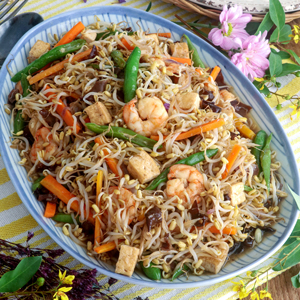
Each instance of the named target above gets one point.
<point>296,36</point>
<point>60,294</point>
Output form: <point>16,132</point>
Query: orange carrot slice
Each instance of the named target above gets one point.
<point>50,210</point>
<point>182,60</point>
<point>105,247</point>
<point>97,232</point>
<point>127,45</point>
<point>214,73</point>
<point>165,34</point>
<point>231,159</point>
<point>71,34</point>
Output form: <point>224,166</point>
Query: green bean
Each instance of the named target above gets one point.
<point>195,55</point>
<point>247,188</point>
<point>105,34</point>
<point>180,271</point>
<point>131,73</point>
<point>50,56</point>
<point>18,122</point>
<point>260,139</point>
<point>151,272</point>
<point>64,218</point>
<point>191,161</point>
<point>123,134</point>
<point>25,85</point>
<point>118,58</point>
<point>265,159</point>
<point>37,183</point>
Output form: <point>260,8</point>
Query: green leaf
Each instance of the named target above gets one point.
<point>149,6</point>
<point>288,69</point>
<point>282,35</point>
<point>266,24</point>
<point>275,64</point>
<point>289,259</point>
<point>295,232</point>
<point>297,58</point>
<point>258,85</point>
<point>14,280</point>
<point>277,13</point>
<point>295,196</point>
<point>252,27</point>
<point>296,281</point>
<point>283,54</point>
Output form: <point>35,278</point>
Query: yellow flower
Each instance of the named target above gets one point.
<point>241,289</point>
<point>249,273</point>
<point>61,295</point>
<point>265,294</point>
<point>258,79</point>
<point>296,110</point>
<point>66,280</point>
<point>296,28</point>
<point>254,296</point>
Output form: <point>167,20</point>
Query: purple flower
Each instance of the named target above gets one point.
<point>233,23</point>
<point>252,60</point>
<point>167,106</point>
<point>122,1</point>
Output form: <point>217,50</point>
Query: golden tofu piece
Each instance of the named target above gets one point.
<point>179,50</point>
<point>98,114</point>
<point>37,50</point>
<point>143,167</point>
<point>89,36</point>
<point>127,260</point>
<point>214,264</point>
<point>236,193</point>
<point>188,101</point>
<point>152,36</point>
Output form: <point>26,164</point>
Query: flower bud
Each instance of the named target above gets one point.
<point>40,281</point>
<point>297,74</point>
<point>278,84</point>
<point>279,106</point>
<point>269,95</point>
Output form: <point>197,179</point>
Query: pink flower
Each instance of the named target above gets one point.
<point>252,60</point>
<point>233,26</point>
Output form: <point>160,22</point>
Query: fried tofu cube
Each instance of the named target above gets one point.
<point>152,36</point>
<point>143,167</point>
<point>89,36</point>
<point>98,114</point>
<point>179,50</point>
<point>236,193</point>
<point>214,264</point>
<point>188,101</point>
<point>37,50</point>
<point>127,260</point>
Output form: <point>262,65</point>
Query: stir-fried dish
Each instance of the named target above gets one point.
<point>140,153</point>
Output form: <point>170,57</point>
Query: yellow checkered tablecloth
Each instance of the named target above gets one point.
<point>15,220</point>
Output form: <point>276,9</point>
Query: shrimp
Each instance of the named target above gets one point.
<point>43,141</point>
<point>148,118</point>
<point>183,178</point>
<point>126,196</point>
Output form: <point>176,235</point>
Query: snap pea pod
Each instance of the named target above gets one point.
<point>37,183</point>
<point>265,160</point>
<point>247,188</point>
<point>25,85</point>
<point>131,72</point>
<point>151,272</point>
<point>195,55</point>
<point>180,271</point>
<point>122,133</point>
<point>191,161</point>
<point>50,56</point>
<point>118,58</point>
<point>260,139</point>
<point>64,218</point>
<point>105,34</point>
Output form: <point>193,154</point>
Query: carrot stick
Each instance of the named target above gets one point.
<point>97,232</point>
<point>226,230</point>
<point>105,247</point>
<point>231,159</point>
<point>214,73</point>
<point>63,194</point>
<point>198,71</point>
<point>198,130</point>
<point>71,34</point>
<point>182,60</point>
<point>126,44</point>
<point>165,34</point>
<point>112,162</point>
<point>50,210</point>
<point>244,129</point>
<point>63,111</point>
<point>58,67</point>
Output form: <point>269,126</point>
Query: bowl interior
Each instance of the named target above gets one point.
<point>261,113</point>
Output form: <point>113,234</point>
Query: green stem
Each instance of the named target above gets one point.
<point>209,25</point>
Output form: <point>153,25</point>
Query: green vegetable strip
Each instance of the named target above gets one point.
<point>37,183</point>
<point>123,134</point>
<point>151,272</point>
<point>64,218</point>
<point>195,55</point>
<point>25,85</point>
<point>191,161</point>
<point>180,271</point>
<point>247,188</point>
<point>118,58</point>
<point>131,73</point>
<point>50,56</point>
<point>265,159</point>
<point>260,139</point>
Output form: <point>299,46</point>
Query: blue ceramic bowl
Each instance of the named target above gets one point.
<point>261,113</point>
